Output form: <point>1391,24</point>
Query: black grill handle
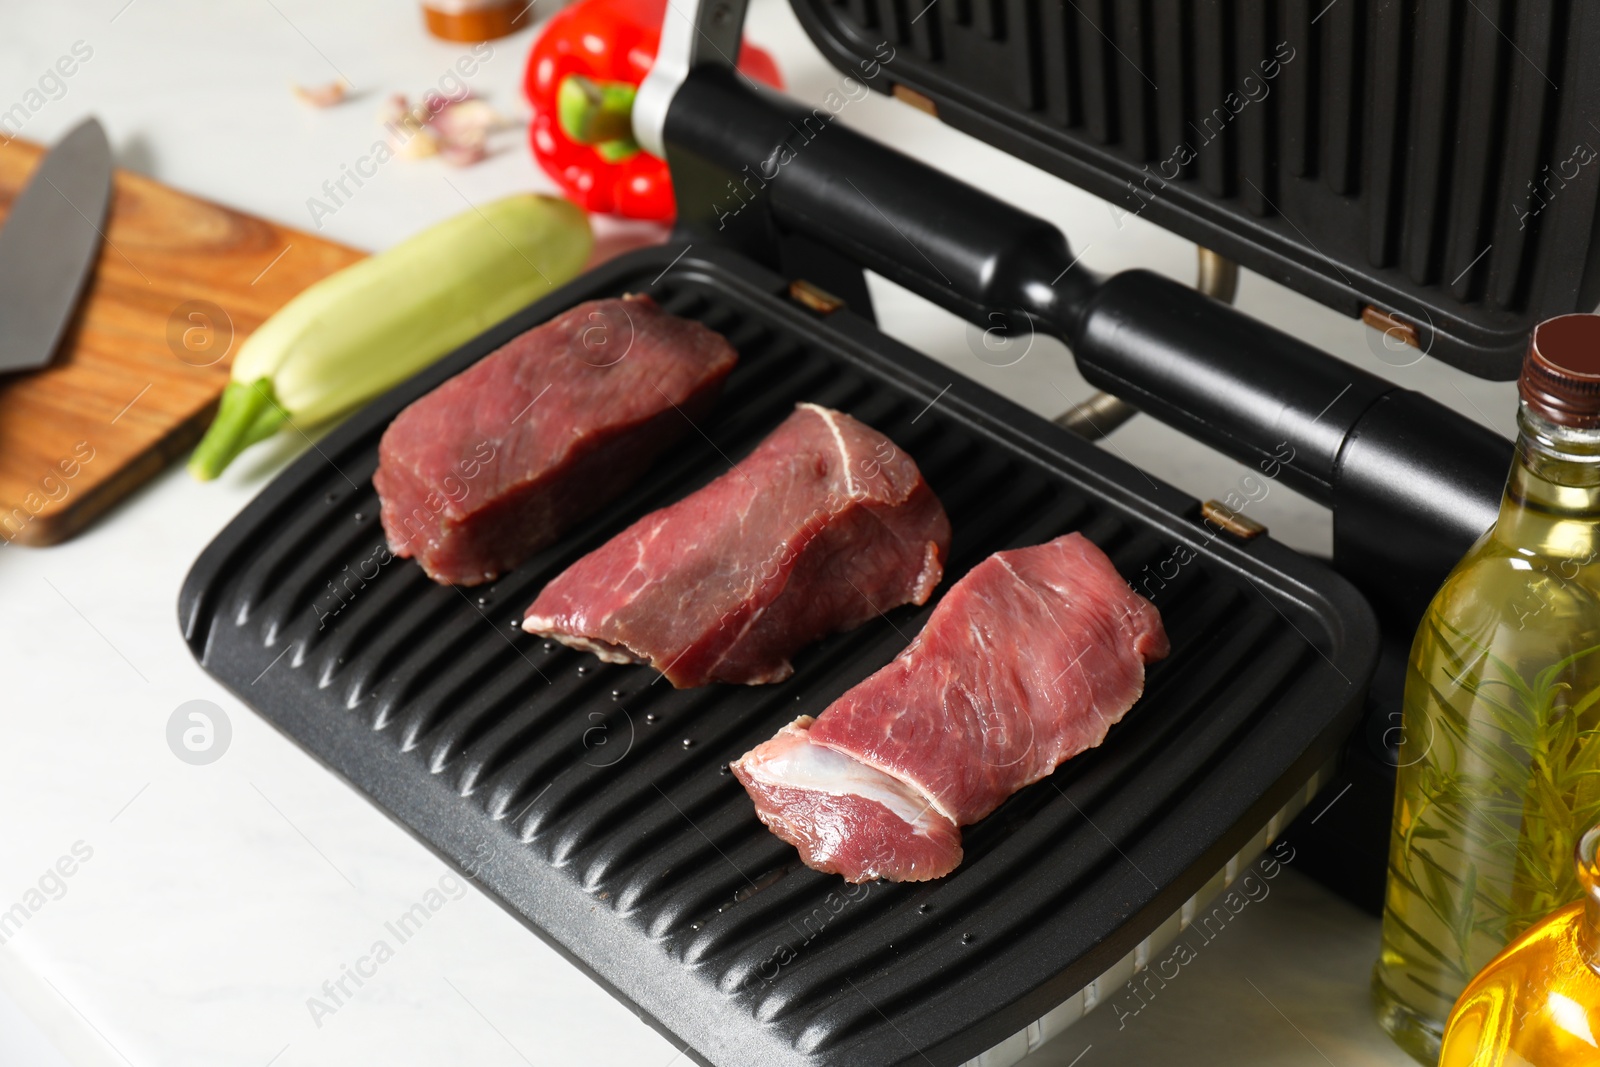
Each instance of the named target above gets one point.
<point>745,160</point>
<point>750,167</point>
<point>1412,484</point>
<point>1223,377</point>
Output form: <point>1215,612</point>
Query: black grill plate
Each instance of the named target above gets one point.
<point>566,788</point>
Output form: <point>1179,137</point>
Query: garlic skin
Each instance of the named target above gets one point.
<point>320,96</point>
<point>455,130</point>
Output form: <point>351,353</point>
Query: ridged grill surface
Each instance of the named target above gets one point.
<point>593,801</point>
<point>1434,158</point>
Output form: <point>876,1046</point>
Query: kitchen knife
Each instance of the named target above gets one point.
<point>48,246</point>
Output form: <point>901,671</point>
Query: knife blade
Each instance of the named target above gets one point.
<point>49,244</point>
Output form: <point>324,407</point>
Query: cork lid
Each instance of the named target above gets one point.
<point>1561,374</point>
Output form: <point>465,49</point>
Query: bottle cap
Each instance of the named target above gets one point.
<point>1561,375</point>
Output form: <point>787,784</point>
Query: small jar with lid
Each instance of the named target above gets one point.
<point>470,21</point>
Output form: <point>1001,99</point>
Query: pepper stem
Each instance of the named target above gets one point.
<point>598,113</point>
<point>248,412</point>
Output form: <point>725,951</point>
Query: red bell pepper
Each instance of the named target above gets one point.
<point>580,80</point>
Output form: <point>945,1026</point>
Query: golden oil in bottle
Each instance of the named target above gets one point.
<point>1500,759</point>
<point>1537,1004</point>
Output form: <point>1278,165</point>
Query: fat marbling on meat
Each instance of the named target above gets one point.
<point>500,460</point>
<point>1026,662</point>
<point>820,528</point>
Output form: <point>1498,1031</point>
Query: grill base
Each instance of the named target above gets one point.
<point>593,802</point>
<point>1114,981</point>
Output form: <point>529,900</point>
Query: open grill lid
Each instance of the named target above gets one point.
<point>1428,160</point>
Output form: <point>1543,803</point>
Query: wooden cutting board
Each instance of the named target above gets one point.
<point>179,284</point>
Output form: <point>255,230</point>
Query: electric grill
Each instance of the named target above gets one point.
<point>595,805</point>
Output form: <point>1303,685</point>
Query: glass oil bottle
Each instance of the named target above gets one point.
<point>1500,760</point>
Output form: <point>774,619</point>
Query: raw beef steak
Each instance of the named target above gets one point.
<point>823,526</point>
<point>1026,662</point>
<point>497,462</point>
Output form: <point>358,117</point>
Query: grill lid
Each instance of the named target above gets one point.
<point>1423,164</point>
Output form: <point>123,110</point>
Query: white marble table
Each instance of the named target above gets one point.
<point>215,900</point>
